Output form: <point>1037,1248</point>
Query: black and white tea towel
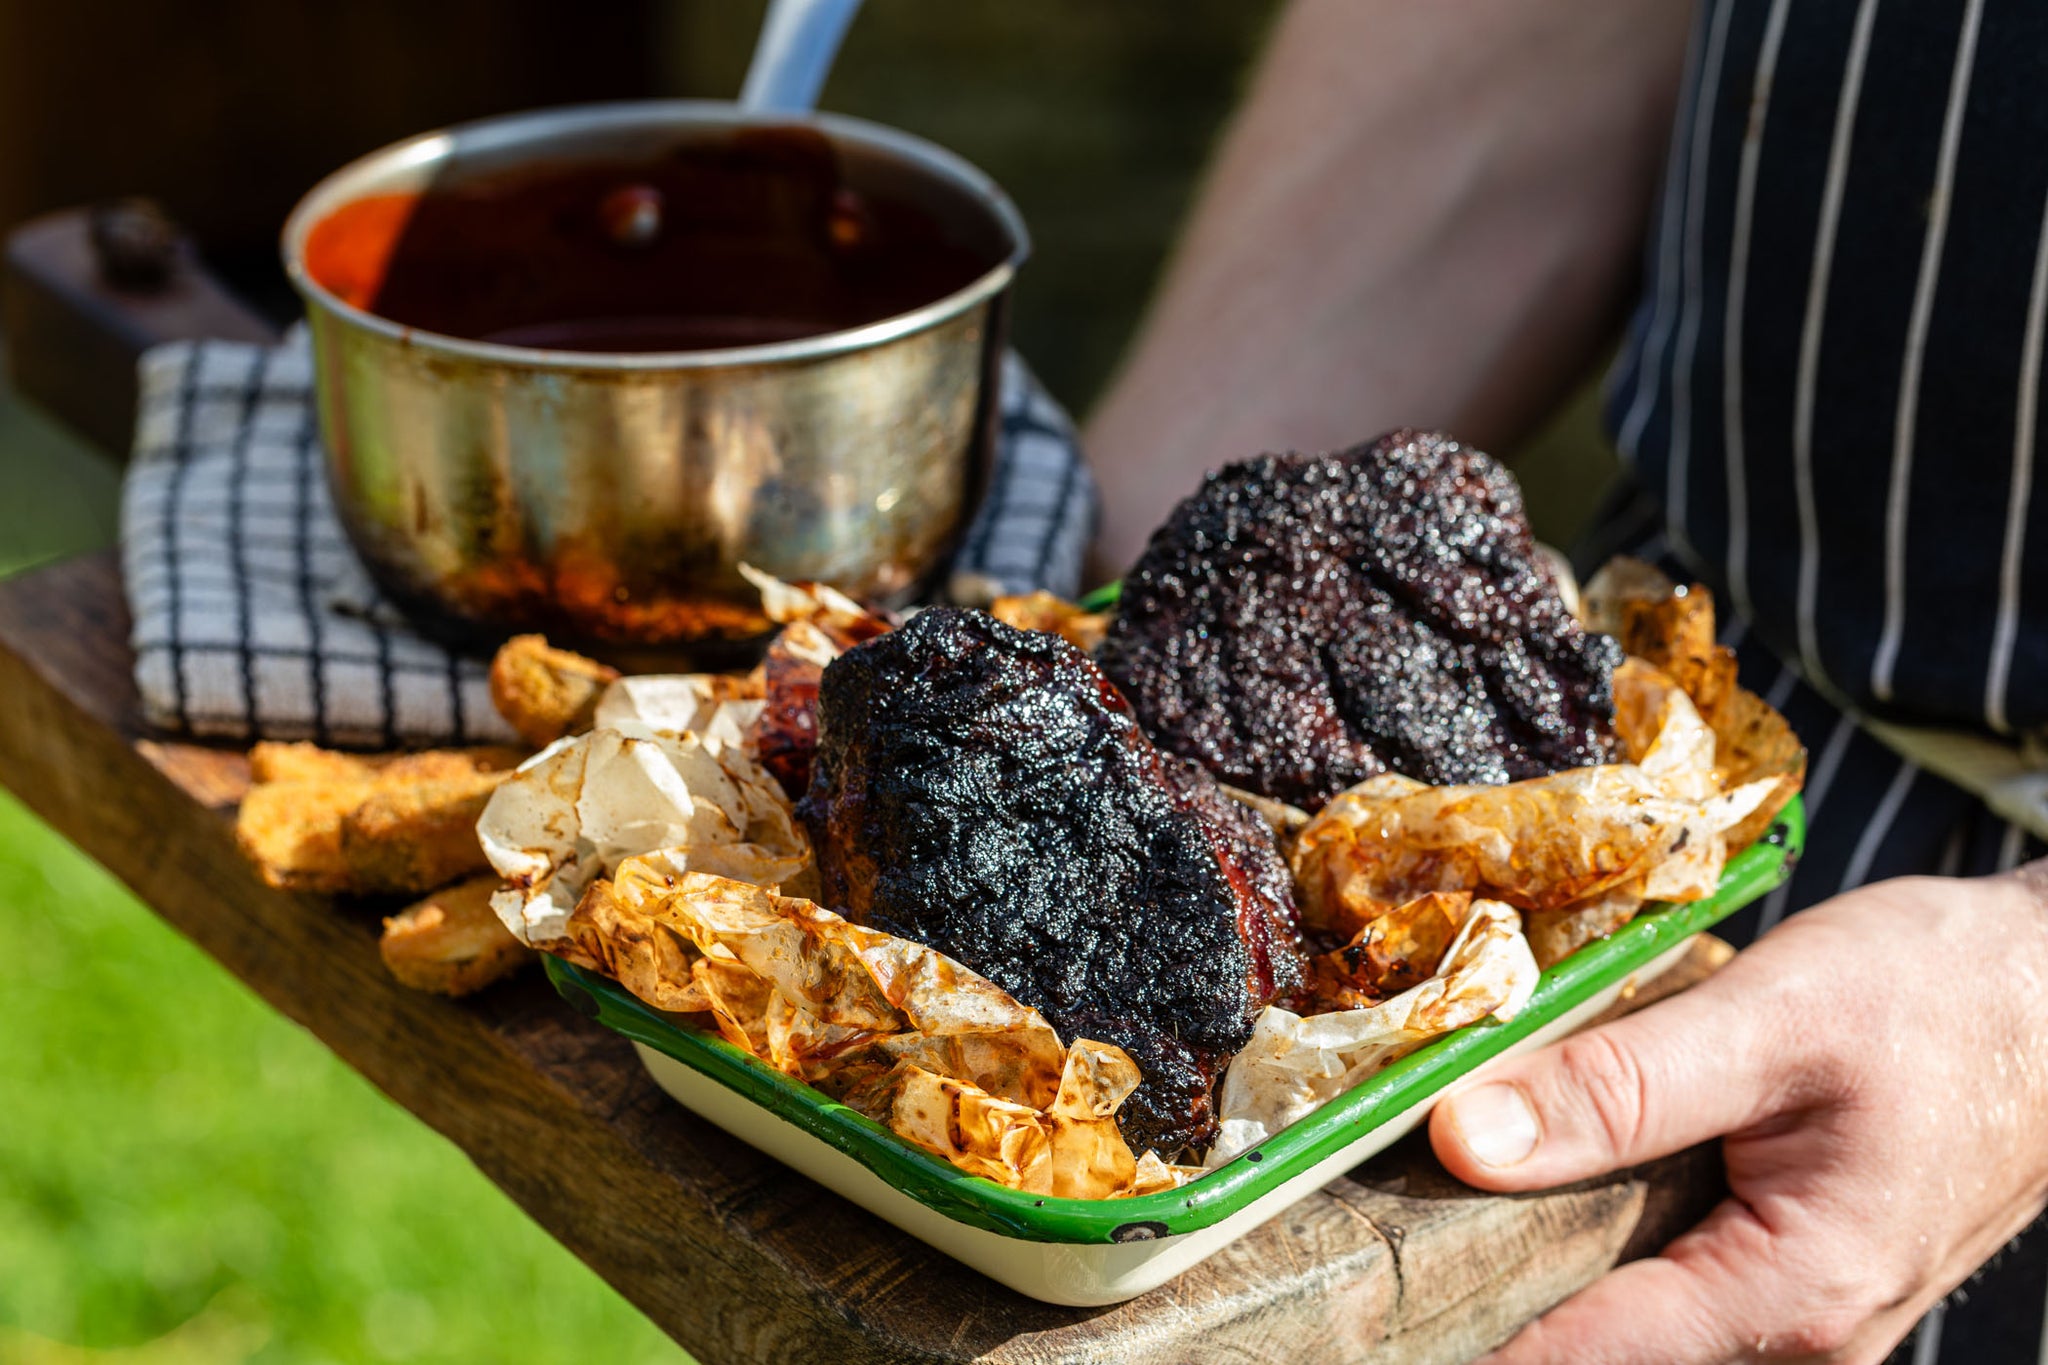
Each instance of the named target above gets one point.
<point>254,619</point>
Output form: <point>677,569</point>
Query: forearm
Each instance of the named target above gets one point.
<point>1425,214</point>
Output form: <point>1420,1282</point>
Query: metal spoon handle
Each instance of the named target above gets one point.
<point>792,57</point>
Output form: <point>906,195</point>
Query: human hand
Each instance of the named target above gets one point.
<point>1878,1068</point>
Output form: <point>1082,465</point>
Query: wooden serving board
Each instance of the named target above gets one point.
<point>732,1254</point>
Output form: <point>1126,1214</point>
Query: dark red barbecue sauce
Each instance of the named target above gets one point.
<point>731,240</point>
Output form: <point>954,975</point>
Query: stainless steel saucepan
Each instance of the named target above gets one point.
<point>612,496</point>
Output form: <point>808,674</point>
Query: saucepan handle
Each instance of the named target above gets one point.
<point>86,291</point>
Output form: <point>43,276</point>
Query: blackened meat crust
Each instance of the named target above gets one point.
<point>1259,880</point>
<point>1304,622</point>
<point>986,791</point>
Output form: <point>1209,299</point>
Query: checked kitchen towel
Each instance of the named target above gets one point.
<point>254,620</point>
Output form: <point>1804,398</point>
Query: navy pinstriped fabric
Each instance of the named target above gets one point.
<point>1833,384</point>
<point>1829,404</point>
<point>1871,815</point>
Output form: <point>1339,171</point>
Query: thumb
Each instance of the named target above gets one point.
<point>1701,1064</point>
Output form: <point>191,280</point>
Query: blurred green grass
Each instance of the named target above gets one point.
<point>187,1176</point>
<point>184,1174</point>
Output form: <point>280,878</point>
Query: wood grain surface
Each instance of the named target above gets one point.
<point>734,1255</point>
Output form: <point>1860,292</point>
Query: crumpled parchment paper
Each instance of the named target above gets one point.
<point>719,708</point>
<point>1673,629</point>
<point>1596,843</point>
<point>901,1033</point>
<point>1293,1065</point>
<point>577,809</point>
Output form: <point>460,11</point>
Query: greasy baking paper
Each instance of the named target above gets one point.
<point>1396,951</point>
<point>1293,1065</point>
<point>1042,611</point>
<point>820,604</point>
<point>1673,628</point>
<point>719,708</point>
<point>580,807</point>
<point>935,1052</point>
<point>1156,1174</point>
<point>1071,1149</point>
<point>819,623</point>
<point>1621,833</point>
<point>904,1000</point>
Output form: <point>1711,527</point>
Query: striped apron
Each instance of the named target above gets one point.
<point>1827,406</point>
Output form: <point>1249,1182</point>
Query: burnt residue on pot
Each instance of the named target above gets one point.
<point>576,367</point>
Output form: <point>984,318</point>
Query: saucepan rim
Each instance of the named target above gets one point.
<point>378,171</point>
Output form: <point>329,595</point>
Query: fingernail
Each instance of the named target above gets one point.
<point>1495,1123</point>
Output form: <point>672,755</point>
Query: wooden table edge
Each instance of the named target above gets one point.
<point>70,747</point>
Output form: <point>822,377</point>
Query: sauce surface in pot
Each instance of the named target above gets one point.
<point>742,239</point>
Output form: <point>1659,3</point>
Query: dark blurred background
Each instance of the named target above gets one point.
<point>1096,117</point>
<point>183,1175</point>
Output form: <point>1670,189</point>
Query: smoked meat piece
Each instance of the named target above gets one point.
<point>1304,622</point>
<point>986,791</point>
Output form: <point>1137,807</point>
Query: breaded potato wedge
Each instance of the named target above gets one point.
<point>451,943</point>
<point>347,824</point>
<point>274,762</point>
<point>271,762</point>
<point>291,831</point>
<point>407,839</point>
<point>543,692</point>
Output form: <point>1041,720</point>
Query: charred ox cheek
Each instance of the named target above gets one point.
<point>1304,622</point>
<point>986,791</point>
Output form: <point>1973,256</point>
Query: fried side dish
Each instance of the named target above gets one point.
<point>452,943</point>
<point>278,762</point>
<point>543,692</point>
<point>986,791</point>
<point>1304,622</point>
<point>417,836</point>
<point>350,825</point>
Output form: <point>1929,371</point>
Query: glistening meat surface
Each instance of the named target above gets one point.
<point>1304,622</point>
<point>987,792</point>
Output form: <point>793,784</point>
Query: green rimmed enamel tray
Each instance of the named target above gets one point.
<point>1079,1251</point>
